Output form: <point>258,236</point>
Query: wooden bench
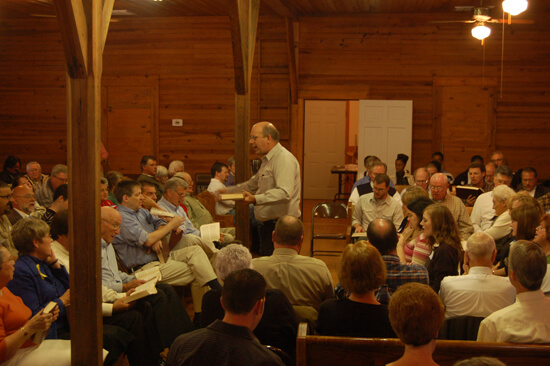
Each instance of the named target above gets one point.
<point>321,350</point>
<point>209,201</point>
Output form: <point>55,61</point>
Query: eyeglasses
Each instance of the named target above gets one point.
<point>421,181</point>
<point>379,189</point>
<point>61,180</point>
<point>252,137</point>
<point>437,188</point>
<point>116,227</point>
<point>27,196</point>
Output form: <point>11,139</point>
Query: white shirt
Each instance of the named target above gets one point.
<point>526,321</point>
<point>222,207</point>
<point>501,227</point>
<point>483,213</point>
<point>61,253</point>
<point>479,293</point>
<point>369,209</point>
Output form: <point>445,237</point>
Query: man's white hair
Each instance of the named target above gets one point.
<point>175,164</point>
<point>232,258</point>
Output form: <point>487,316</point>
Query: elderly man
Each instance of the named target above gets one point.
<point>220,172</point>
<point>377,168</point>
<point>197,213</point>
<point>483,213</point>
<point>383,235</point>
<point>148,166</point>
<point>139,245</point>
<point>490,175</point>
<point>376,205</point>
<point>176,166</point>
<point>22,202</point>
<point>5,224</point>
<point>275,189</point>
<point>478,292</point>
<point>528,319</point>
<point>35,176</point>
<point>439,185</point>
<point>229,341</point>
<point>174,192</point>
<point>305,280</point>
<point>421,178</point>
<point>59,176</point>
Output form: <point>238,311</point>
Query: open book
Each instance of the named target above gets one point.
<point>149,274</point>
<point>161,213</point>
<point>211,232</point>
<point>465,191</point>
<point>148,288</point>
<point>41,334</point>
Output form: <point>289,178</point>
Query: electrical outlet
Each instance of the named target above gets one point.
<point>177,122</point>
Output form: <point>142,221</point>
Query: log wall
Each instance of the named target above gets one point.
<point>380,57</point>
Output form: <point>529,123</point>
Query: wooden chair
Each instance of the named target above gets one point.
<point>209,201</point>
<point>325,351</point>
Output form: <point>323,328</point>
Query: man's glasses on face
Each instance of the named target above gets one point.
<point>27,196</point>
<point>63,181</point>
<point>437,188</point>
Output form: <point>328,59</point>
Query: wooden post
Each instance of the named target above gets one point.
<point>244,23</point>
<point>83,40</point>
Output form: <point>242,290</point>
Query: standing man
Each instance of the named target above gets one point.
<point>275,189</point>
<point>148,172</point>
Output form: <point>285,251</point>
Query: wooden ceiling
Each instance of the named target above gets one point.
<point>288,8</point>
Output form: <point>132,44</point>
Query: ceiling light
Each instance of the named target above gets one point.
<point>481,31</point>
<point>514,7</point>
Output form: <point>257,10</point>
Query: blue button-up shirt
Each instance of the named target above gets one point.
<point>134,233</point>
<point>110,275</point>
<point>187,227</point>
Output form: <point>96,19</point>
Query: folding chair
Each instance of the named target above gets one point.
<point>324,212</point>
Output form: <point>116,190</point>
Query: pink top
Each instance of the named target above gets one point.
<point>417,250</point>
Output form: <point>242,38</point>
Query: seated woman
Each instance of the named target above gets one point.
<point>402,176</point>
<point>17,328</point>
<point>39,277</point>
<point>443,237</point>
<point>542,236</point>
<point>416,314</point>
<point>279,324</point>
<point>362,271</point>
<point>413,248</point>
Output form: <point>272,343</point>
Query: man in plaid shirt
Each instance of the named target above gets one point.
<point>383,235</point>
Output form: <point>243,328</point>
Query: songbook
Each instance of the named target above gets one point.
<point>158,212</point>
<point>211,232</point>
<point>148,288</point>
<point>231,196</point>
<point>465,191</point>
<point>359,235</point>
<point>149,274</point>
<point>41,334</point>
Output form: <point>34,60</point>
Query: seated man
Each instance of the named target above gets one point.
<point>35,176</point>
<point>231,177</point>
<point>58,177</point>
<point>490,175</point>
<point>378,167</point>
<point>220,173</point>
<point>476,176</point>
<point>279,325</point>
<point>229,341</point>
<point>483,214</point>
<point>528,320</point>
<point>438,156</point>
<point>22,202</point>
<point>368,163</point>
<point>439,186</point>
<point>60,203</point>
<point>176,166</point>
<point>529,182</point>
<point>140,242</point>
<point>5,224</point>
<point>376,205</point>
<point>383,235</point>
<point>174,191</point>
<point>478,292</point>
<point>304,280</point>
<point>148,166</point>
<point>198,214</point>
<point>463,178</point>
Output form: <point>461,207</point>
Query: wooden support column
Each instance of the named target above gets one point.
<point>244,23</point>
<point>83,40</point>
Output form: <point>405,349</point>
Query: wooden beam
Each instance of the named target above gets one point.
<point>74,35</point>
<point>281,8</point>
<point>81,31</point>
<point>106,21</point>
<point>292,74</point>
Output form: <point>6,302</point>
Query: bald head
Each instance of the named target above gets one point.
<point>110,223</point>
<point>23,199</point>
<point>382,234</point>
<point>263,137</point>
<point>481,247</point>
<point>289,232</point>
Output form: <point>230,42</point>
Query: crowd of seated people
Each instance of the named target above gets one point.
<point>422,236</point>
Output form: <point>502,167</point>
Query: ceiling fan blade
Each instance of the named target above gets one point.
<point>514,21</point>
<point>452,21</point>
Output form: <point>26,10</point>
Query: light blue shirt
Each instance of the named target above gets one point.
<point>110,275</point>
<point>134,233</point>
<point>187,227</point>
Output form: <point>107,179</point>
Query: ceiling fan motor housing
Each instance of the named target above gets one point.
<point>482,14</point>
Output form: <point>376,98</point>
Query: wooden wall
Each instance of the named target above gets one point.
<point>381,57</point>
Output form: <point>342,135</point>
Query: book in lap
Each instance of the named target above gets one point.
<point>149,274</point>
<point>210,232</point>
<point>41,334</point>
<point>148,288</point>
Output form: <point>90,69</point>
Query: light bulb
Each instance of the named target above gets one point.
<point>514,7</point>
<point>481,31</point>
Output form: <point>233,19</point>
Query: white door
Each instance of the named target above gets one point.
<point>324,147</point>
<point>385,130</point>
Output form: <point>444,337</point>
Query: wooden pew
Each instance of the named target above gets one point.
<point>321,351</point>
<point>209,201</point>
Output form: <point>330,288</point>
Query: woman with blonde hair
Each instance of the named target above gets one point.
<point>443,237</point>
<point>413,248</point>
<point>362,271</point>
